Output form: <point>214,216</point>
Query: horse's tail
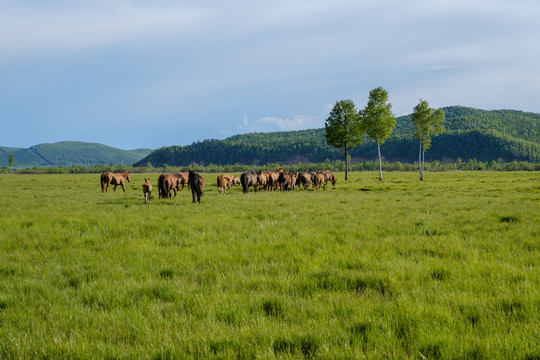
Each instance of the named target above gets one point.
<point>245,183</point>
<point>196,186</point>
<point>162,187</point>
<point>103,182</point>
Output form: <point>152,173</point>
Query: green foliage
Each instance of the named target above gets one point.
<point>11,160</point>
<point>68,153</point>
<point>343,130</point>
<point>470,134</point>
<point>377,118</point>
<point>342,126</point>
<point>428,123</point>
<point>86,275</point>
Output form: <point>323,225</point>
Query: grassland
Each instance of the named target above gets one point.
<point>445,268</point>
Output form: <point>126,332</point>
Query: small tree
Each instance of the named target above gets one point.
<point>428,123</point>
<point>377,119</point>
<point>343,128</point>
<point>11,161</point>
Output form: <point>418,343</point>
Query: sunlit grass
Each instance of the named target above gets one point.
<point>445,268</point>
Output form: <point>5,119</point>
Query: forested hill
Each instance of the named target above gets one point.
<point>68,153</point>
<point>470,134</point>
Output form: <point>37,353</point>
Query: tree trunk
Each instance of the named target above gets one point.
<point>346,162</point>
<point>423,161</point>
<point>380,160</point>
<point>420,162</point>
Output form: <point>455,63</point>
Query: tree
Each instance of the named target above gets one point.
<point>11,161</point>
<point>428,123</point>
<point>377,119</point>
<point>343,128</point>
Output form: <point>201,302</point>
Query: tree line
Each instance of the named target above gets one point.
<point>333,165</point>
<point>469,134</point>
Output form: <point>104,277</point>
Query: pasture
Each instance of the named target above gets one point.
<point>445,268</point>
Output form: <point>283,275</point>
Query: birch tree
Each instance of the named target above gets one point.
<point>428,123</point>
<point>377,119</point>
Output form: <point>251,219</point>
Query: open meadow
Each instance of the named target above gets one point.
<point>444,268</point>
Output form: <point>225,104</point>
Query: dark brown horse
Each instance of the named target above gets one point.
<point>109,178</point>
<point>196,184</point>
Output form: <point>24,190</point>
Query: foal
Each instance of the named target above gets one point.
<point>147,191</point>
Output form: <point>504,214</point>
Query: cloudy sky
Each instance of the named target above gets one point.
<point>133,74</point>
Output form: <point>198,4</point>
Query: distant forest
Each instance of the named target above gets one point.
<point>494,135</point>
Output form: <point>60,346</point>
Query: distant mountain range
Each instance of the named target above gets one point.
<point>68,153</point>
<point>483,135</point>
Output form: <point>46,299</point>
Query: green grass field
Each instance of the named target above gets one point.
<point>446,268</point>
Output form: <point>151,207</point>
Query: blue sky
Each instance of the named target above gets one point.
<point>134,74</point>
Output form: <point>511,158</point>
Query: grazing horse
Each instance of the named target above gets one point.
<point>318,180</point>
<point>263,180</point>
<point>304,178</point>
<point>329,176</point>
<point>166,184</point>
<point>183,176</point>
<point>196,183</point>
<point>147,191</point>
<point>248,179</point>
<point>273,176</point>
<point>109,178</point>
<point>286,181</point>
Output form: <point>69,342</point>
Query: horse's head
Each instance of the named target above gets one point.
<point>128,178</point>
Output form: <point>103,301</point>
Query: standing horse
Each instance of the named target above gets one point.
<point>196,184</point>
<point>184,178</point>
<point>108,178</point>
<point>248,179</point>
<point>147,191</point>
<point>166,184</point>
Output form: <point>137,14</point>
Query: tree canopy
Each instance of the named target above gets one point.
<point>428,123</point>
<point>377,119</point>
<point>343,128</point>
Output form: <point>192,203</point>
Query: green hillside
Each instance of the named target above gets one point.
<point>67,153</point>
<point>470,134</point>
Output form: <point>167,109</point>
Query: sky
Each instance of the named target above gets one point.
<point>148,74</point>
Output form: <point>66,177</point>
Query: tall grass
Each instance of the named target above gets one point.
<point>445,268</point>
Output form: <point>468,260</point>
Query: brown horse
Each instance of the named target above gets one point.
<point>147,191</point>
<point>166,184</point>
<point>248,179</point>
<point>224,182</point>
<point>328,176</point>
<point>184,178</point>
<point>272,181</point>
<point>304,178</point>
<point>109,178</point>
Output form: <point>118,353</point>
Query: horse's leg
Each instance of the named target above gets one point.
<point>122,184</point>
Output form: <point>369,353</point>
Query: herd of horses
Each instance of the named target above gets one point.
<point>276,180</point>
<point>167,183</point>
<point>260,180</point>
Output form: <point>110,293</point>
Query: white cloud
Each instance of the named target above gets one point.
<point>272,123</point>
